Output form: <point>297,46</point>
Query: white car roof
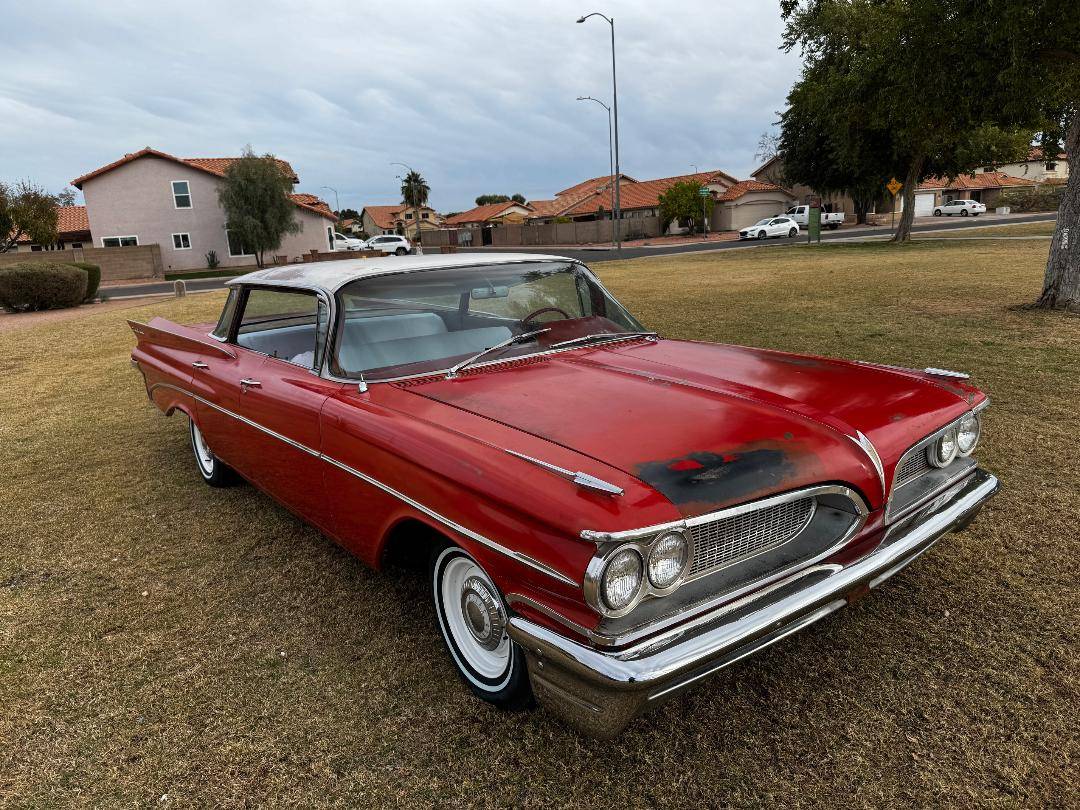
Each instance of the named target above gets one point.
<point>330,276</point>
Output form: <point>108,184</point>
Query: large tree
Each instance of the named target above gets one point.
<point>255,196</point>
<point>28,212</point>
<point>488,199</point>
<point>414,193</point>
<point>683,202</point>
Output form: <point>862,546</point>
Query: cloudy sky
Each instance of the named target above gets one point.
<point>480,97</point>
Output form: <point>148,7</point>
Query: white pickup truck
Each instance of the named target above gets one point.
<point>801,214</point>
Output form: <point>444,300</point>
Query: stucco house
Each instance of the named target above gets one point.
<point>984,187</point>
<point>1036,168</point>
<point>376,220</point>
<point>73,231</point>
<point>150,196</point>
<point>491,214</point>
<point>747,201</point>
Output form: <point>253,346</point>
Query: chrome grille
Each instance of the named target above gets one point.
<point>914,465</point>
<point>731,539</point>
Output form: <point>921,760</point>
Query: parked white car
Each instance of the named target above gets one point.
<point>771,227</point>
<point>964,208</point>
<point>389,243</point>
<point>801,214</point>
<point>343,242</point>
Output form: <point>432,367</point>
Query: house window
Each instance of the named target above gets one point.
<point>408,216</point>
<point>119,241</point>
<point>236,246</point>
<point>181,241</point>
<point>181,194</point>
<point>424,215</point>
<point>1051,167</point>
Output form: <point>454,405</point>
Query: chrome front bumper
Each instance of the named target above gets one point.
<point>601,691</point>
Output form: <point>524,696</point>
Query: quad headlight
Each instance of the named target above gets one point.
<point>943,451</point>
<point>967,434</point>
<point>622,579</point>
<point>667,558</point>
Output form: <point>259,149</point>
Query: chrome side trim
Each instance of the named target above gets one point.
<point>520,598</point>
<point>524,559</point>
<point>599,537</point>
<point>580,478</point>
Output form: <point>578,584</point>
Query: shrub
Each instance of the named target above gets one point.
<point>212,260</point>
<point>93,277</point>
<point>31,286</point>
<point>1037,198</point>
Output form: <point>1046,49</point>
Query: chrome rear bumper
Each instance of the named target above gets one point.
<point>601,691</point>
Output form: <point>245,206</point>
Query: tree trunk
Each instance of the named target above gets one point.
<point>1061,285</point>
<point>907,216</point>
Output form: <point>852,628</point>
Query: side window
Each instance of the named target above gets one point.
<point>282,324</point>
<point>181,194</point>
<point>221,331</point>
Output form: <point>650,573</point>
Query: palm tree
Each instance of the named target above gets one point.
<point>415,190</point>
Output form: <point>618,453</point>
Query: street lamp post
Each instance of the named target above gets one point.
<point>615,105</point>
<point>337,202</point>
<point>611,158</point>
<point>416,208</point>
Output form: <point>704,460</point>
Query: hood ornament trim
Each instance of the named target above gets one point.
<point>582,479</point>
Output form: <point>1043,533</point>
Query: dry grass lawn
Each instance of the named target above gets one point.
<point>166,643</point>
<point>1015,229</point>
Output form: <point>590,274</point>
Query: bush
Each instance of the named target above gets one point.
<point>1037,198</point>
<point>31,286</point>
<point>93,277</point>
<point>212,260</point>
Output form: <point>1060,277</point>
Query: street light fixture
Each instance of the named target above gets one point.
<point>611,159</point>
<point>416,208</point>
<point>615,109</point>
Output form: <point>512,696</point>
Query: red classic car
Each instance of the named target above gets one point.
<point>607,516</point>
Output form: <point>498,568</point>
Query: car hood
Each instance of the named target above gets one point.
<point>710,426</point>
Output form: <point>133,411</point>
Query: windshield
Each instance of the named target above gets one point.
<point>426,321</point>
<point>762,222</point>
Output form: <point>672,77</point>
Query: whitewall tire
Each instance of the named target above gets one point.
<point>213,471</point>
<point>472,618</point>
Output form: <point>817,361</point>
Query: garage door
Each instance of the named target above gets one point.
<point>924,205</point>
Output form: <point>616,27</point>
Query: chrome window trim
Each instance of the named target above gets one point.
<point>521,557</point>
<point>643,539</point>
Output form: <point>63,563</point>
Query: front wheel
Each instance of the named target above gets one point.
<point>762,235</point>
<point>937,212</point>
<point>473,618</point>
<point>213,470</point>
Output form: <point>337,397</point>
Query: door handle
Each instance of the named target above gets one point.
<point>200,364</point>
<point>247,383</point>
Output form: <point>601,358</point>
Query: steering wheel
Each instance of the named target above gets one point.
<point>542,310</point>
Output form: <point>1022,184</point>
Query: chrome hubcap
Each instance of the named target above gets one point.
<point>482,613</point>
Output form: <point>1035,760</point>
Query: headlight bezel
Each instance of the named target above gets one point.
<point>975,417</point>
<point>656,545</point>
<point>934,450</point>
<point>594,584</point>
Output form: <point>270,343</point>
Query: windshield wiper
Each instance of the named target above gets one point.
<point>510,341</point>
<point>604,336</point>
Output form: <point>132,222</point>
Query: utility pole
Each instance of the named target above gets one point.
<point>615,105</point>
<point>611,159</point>
<point>337,203</point>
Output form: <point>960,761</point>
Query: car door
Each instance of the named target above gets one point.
<point>283,395</point>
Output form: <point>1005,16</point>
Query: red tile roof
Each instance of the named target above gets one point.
<point>745,187</point>
<point>215,166</point>
<point>971,182</point>
<point>313,204</point>
<point>482,213</point>
<point>640,193</point>
<point>592,184</point>
<point>1036,153</point>
<point>384,216</point>
<point>71,221</point>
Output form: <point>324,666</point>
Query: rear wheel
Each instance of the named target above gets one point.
<point>400,251</point>
<point>472,618</point>
<point>964,213</point>
<point>793,233</point>
<point>213,470</point>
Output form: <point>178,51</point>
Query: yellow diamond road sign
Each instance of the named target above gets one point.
<point>894,186</point>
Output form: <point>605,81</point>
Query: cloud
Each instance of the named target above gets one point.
<point>479,97</point>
